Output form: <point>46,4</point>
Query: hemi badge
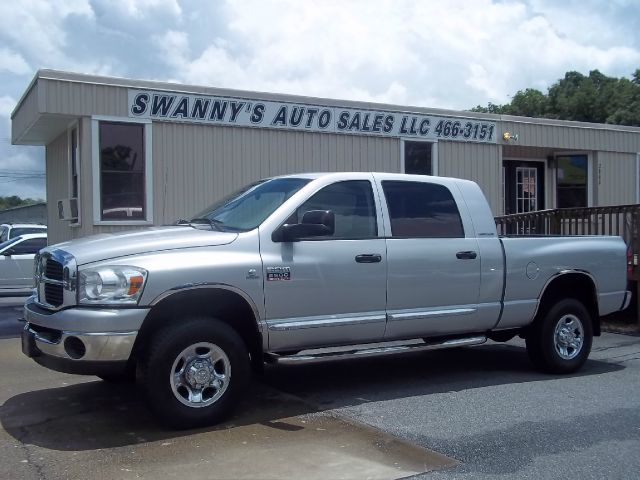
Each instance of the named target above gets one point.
<point>278,273</point>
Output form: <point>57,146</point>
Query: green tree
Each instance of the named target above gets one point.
<point>593,98</point>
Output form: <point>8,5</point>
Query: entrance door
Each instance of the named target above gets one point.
<point>523,186</point>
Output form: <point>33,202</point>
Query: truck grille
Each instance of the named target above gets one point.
<point>53,270</point>
<point>55,279</point>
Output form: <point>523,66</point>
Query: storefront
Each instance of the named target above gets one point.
<point>124,153</point>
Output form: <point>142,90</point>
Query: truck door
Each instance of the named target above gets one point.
<point>331,289</point>
<point>433,261</point>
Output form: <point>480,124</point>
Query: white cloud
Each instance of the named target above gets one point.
<point>453,54</point>
<point>13,62</point>
<point>449,54</point>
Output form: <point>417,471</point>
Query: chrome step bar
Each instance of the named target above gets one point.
<point>322,356</point>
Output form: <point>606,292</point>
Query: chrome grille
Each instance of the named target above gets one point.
<point>53,270</point>
<point>55,273</point>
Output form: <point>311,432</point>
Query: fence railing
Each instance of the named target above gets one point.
<point>622,220</point>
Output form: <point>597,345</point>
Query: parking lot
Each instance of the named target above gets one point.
<point>478,412</point>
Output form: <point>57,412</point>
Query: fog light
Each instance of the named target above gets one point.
<point>74,347</point>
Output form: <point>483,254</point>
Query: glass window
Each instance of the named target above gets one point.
<point>352,204</point>
<point>423,210</point>
<point>23,230</point>
<point>572,181</point>
<point>122,171</point>
<point>30,246</point>
<point>417,158</point>
<point>247,208</point>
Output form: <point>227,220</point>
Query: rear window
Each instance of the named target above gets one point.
<point>422,210</point>
<point>15,232</point>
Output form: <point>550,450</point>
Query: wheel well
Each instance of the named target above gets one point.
<point>225,305</point>
<point>572,285</point>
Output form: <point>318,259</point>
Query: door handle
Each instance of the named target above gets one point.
<point>369,258</point>
<point>468,255</point>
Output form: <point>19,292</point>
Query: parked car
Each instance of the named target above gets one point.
<point>16,262</point>
<point>313,267</point>
<point>12,230</point>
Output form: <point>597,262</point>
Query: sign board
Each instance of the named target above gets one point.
<point>244,112</point>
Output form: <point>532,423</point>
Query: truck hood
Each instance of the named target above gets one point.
<point>113,245</point>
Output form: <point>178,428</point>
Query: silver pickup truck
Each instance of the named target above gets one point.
<point>313,267</point>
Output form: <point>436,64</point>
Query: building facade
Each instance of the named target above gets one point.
<point>126,153</point>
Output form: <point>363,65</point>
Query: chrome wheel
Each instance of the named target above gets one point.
<point>200,375</point>
<point>568,337</point>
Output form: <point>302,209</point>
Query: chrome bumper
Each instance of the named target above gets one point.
<point>80,335</point>
<point>78,346</point>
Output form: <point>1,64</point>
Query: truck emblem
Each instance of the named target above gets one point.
<point>252,274</point>
<point>278,273</point>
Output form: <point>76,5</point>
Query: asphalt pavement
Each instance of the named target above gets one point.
<point>479,412</point>
<point>11,316</point>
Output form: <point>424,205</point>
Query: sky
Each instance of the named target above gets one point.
<point>452,54</point>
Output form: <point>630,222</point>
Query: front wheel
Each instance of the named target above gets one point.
<point>560,341</point>
<point>195,372</point>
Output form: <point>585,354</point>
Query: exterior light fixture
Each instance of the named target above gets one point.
<point>506,136</point>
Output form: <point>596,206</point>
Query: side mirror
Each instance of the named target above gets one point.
<point>315,223</point>
<point>8,253</point>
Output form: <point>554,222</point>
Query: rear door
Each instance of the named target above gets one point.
<point>433,260</point>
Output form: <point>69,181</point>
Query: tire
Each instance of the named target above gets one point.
<point>194,373</point>
<point>560,341</point>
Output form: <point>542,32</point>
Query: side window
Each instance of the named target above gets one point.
<point>122,171</point>
<point>352,204</point>
<point>422,210</point>
<point>4,234</point>
<point>31,246</point>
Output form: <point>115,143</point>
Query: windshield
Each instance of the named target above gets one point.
<point>247,208</point>
<point>7,243</point>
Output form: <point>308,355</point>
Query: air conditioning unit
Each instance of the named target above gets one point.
<point>68,209</point>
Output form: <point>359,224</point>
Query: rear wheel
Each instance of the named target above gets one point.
<point>560,341</point>
<point>195,373</point>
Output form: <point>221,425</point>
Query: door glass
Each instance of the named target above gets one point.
<point>422,210</point>
<point>526,189</point>
<point>352,204</point>
<point>417,158</point>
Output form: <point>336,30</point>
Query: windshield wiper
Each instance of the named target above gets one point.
<point>215,224</point>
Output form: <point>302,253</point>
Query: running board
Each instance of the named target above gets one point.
<point>371,351</point>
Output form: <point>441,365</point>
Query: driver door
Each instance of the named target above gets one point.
<point>328,290</point>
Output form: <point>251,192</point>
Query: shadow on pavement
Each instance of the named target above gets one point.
<point>99,415</point>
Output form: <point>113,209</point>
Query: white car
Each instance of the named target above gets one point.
<point>12,230</point>
<point>16,262</point>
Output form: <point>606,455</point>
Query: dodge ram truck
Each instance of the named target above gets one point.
<point>312,267</point>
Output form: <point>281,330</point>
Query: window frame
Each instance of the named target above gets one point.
<point>590,175</point>
<point>148,166</point>
<point>71,128</point>
<point>434,154</point>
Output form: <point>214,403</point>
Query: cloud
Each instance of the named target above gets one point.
<point>13,62</point>
<point>442,54</point>
<point>454,54</point>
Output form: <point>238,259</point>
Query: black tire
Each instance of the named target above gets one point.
<point>552,351</point>
<point>170,403</point>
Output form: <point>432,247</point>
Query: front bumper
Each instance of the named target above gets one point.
<point>81,340</point>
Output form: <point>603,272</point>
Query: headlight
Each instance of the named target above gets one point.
<point>111,284</point>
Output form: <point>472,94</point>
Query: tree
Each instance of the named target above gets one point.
<point>15,201</point>
<point>594,98</point>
